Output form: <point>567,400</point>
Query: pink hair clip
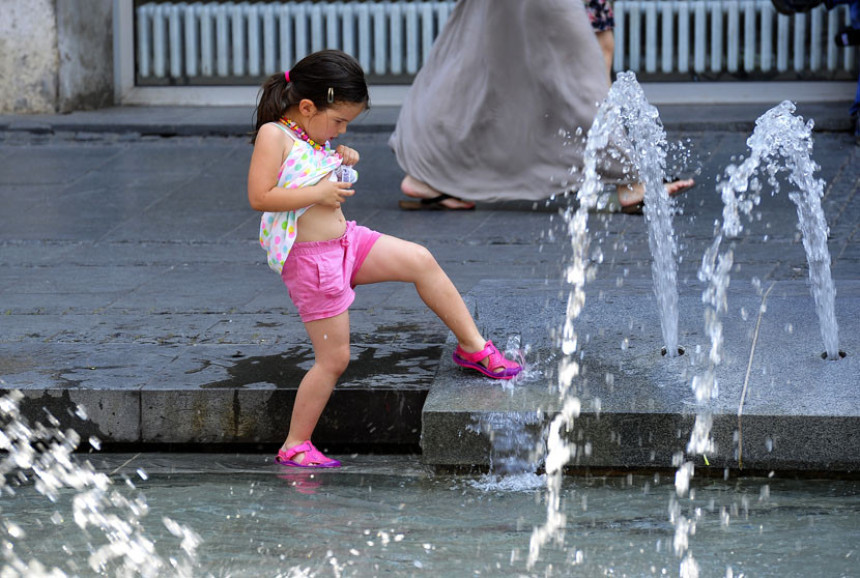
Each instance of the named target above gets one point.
<point>287,76</point>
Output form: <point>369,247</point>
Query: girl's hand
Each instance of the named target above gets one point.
<point>333,193</point>
<point>349,156</point>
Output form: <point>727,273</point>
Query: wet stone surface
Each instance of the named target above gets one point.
<point>132,282</point>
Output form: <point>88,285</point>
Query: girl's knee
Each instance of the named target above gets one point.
<point>424,268</point>
<point>423,259</point>
<point>334,362</point>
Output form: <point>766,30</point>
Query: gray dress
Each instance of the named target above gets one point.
<point>493,113</point>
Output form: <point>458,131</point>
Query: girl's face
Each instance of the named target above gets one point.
<point>330,123</point>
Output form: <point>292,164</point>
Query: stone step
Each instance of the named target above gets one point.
<point>149,395</point>
<point>779,405</point>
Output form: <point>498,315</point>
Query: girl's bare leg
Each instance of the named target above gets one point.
<point>393,259</point>
<point>330,340</point>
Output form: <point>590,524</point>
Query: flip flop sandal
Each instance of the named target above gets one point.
<point>634,209</point>
<point>495,359</point>
<point>313,457</point>
<point>432,204</point>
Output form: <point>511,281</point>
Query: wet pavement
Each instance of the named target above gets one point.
<point>132,282</point>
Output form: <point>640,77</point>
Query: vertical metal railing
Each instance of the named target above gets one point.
<point>392,38</point>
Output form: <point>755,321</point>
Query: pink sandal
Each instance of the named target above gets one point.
<point>494,358</point>
<point>313,457</point>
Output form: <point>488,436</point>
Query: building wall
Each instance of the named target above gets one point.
<point>28,56</point>
<point>55,55</point>
<point>85,47</point>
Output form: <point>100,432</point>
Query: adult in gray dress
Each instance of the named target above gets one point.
<point>493,113</point>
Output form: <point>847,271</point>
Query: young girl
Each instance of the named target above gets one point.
<point>320,255</point>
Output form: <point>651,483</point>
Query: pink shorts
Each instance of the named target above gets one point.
<point>320,275</point>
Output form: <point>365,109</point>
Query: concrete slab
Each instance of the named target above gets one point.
<point>218,394</point>
<point>96,415</point>
<point>780,405</point>
<point>132,280</point>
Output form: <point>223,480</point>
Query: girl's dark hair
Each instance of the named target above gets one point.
<point>325,77</point>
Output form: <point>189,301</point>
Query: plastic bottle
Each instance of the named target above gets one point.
<point>346,174</point>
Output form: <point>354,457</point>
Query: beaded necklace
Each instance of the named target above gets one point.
<point>303,135</point>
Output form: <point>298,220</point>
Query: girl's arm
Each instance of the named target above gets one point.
<point>264,194</point>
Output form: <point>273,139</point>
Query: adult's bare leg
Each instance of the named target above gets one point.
<point>606,40</point>
<point>634,194</point>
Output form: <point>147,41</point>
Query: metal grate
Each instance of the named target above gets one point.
<point>749,36</point>
<point>251,40</point>
<point>237,43</point>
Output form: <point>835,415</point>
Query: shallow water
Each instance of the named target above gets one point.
<point>392,517</point>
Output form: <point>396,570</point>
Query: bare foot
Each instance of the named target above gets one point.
<point>632,195</point>
<point>679,186</point>
<point>416,189</point>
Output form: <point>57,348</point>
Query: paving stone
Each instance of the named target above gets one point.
<point>638,406</point>
<point>132,282</point>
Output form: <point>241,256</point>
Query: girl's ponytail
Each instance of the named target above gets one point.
<point>274,99</point>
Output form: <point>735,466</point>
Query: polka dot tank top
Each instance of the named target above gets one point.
<point>304,166</point>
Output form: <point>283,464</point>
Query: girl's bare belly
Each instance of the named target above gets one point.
<point>320,223</point>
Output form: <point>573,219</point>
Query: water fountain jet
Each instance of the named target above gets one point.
<point>44,456</point>
<point>781,134</point>
<point>625,117</point>
<point>778,134</point>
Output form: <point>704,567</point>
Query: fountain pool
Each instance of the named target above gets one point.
<point>391,516</point>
